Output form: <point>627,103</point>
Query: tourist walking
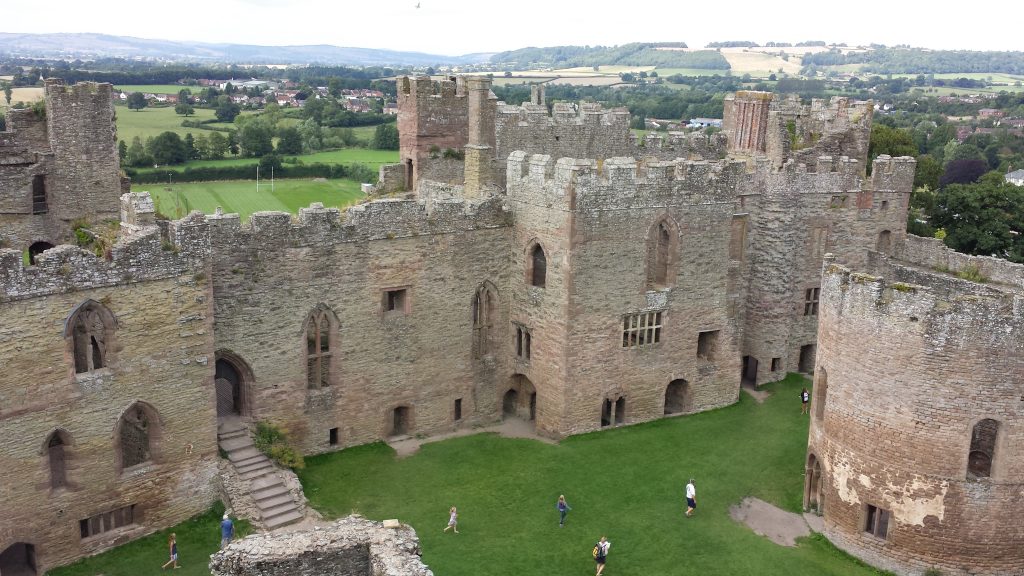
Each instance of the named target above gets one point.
<point>172,544</point>
<point>453,520</point>
<point>691,498</point>
<point>805,401</point>
<point>227,531</point>
<point>563,509</point>
<point>601,554</point>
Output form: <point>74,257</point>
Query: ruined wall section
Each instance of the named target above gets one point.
<point>270,276</point>
<point>432,117</point>
<point>615,208</point>
<point>24,154</point>
<point>800,214</point>
<point>837,127</point>
<point>160,353</point>
<point>904,373</point>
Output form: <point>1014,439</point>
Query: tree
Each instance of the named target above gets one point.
<point>289,141</point>
<point>226,110</point>
<point>184,108</point>
<point>233,143</point>
<point>122,151</point>
<point>202,147</point>
<point>928,172</point>
<point>256,139</point>
<point>137,155</point>
<point>167,148</point>
<point>191,152</point>
<point>217,146</point>
<point>962,172</point>
<point>892,141</point>
<point>270,162</point>
<point>185,95</point>
<point>385,137</point>
<point>984,218</point>
<point>7,92</point>
<point>312,134</point>
<point>136,101</point>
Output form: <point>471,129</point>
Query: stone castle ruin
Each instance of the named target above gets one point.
<point>517,263</point>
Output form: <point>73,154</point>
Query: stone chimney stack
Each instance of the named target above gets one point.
<point>479,151</point>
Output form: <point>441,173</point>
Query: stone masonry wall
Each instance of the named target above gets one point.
<point>905,371</point>
<point>432,117</point>
<point>269,277</point>
<point>161,355</point>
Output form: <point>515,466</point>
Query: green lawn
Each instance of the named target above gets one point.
<point>197,539</point>
<point>626,484</point>
<point>240,195</point>
<point>666,72</point>
<point>152,121</point>
<point>342,156</point>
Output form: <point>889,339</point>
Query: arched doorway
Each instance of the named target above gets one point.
<point>884,243</point>
<point>620,411</point>
<point>606,412</point>
<point>37,249</point>
<point>678,398</point>
<point>812,489</point>
<point>232,380</point>
<point>18,559</point>
<point>520,400</point>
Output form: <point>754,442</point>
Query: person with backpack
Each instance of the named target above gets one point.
<point>805,401</point>
<point>563,509</point>
<point>601,554</point>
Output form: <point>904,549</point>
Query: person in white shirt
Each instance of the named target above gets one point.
<point>602,554</point>
<point>691,498</point>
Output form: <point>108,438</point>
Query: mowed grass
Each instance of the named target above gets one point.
<point>151,121</point>
<point>241,196</point>
<point>158,88</point>
<point>342,156</point>
<point>626,484</point>
<point>197,539</point>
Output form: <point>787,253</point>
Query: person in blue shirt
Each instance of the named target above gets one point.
<point>563,509</point>
<point>227,531</point>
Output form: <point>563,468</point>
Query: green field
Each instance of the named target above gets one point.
<point>343,156</point>
<point>241,196</point>
<point>158,88</point>
<point>665,72</point>
<point>151,121</point>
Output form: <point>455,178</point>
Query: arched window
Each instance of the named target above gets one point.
<point>318,348</point>
<point>538,267</point>
<point>57,459</point>
<point>91,329</point>
<point>662,254</point>
<point>137,434</point>
<point>983,448</point>
<point>483,320</point>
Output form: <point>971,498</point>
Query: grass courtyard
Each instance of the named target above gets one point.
<point>626,484</point>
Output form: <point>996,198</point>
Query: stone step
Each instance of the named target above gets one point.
<point>263,483</point>
<point>257,472</point>
<point>278,510</point>
<point>243,453</point>
<point>246,461</point>
<point>268,504</point>
<point>232,426</point>
<point>243,433</point>
<point>282,519</point>
<point>233,444</point>
<point>252,467</point>
<point>269,492</point>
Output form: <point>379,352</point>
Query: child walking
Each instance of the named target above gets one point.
<point>172,543</point>
<point>563,509</point>
<point>453,520</point>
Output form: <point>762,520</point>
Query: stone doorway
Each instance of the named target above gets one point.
<point>749,372</point>
<point>400,421</point>
<point>678,397</point>
<point>812,490</point>
<point>18,559</point>
<point>606,413</point>
<point>37,249</point>
<point>509,403</point>
<point>520,400</point>
<point>807,359</point>
<point>232,380</point>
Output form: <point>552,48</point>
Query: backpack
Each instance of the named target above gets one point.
<point>597,548</point>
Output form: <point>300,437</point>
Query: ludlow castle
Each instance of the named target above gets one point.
<point>522,261</point>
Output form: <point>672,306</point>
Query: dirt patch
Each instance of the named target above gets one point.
<point>509,428</point>
<point>755,392</point>
<point>766,520</point>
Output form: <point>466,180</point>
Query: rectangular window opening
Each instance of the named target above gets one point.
<point>523,341</point>
<point>877,522</point>
<point>811,296</point>
<point>458,409</point>
<point>776,364</point>
<point>707,345</point>
<point>642,329</point>
<point>39,194</point>
<point>107,521</point>
<point>333,436</point>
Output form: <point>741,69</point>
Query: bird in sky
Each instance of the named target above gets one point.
<point>417,4</point>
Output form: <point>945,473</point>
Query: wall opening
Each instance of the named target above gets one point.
<point>606,413</point>
<point>884,244</point>
<point>520,400</point>
<point>232,382</point>
<point>776,364</point>
<point>707,345</point>
<point>876,521</point>
<point>91,329</point>
<point>36,249</point>
<point>396,301</point>
<point>19,559</point>
<point>483,321</point>
<point>533,406</point>
<point>749,371</point>
<point>458,409</point>
<point>509,403</point>
<point>538,269</point>
<point>806,364</point>
<point>318,348</point>
<point>620,411</point>
<point>39,204</point>
<point>400,421</point>
<point>56,453</point>
<point>811,297</point>
<point>812,489</point>
<point>983,448</point>
<point>107,521</point>
<point>678,398</point>
<point>332,437</point>
<point>137,432</point>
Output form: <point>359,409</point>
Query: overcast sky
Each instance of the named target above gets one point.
<point>454,27</point>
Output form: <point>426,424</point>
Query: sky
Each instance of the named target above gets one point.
<point>455,27</point>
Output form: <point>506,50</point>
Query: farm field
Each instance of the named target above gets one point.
<point>342,156</point>
<point>240,196</point>
<point>157,88</point>
<point>23,94</point>
<point>151,121</point>
<point>666,72</point>
<point>758,63</point>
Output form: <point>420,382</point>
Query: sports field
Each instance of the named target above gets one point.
<point>242,197</point>
<point>374,158</point>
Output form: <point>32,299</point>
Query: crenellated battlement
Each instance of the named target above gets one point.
<point>425,87</point>
<point>889,173</point>
<point>933,254</point>
<point>140,254</point>
<point>934,302</point>
<point>587,114</point>
<point>384,219</point>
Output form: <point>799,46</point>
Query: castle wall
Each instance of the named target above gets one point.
<point>161,355</point>
<point>270,276</point>
<point>910,369</point>
<point>432,117</point>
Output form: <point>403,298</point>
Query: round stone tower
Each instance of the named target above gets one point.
<point>916,449</point>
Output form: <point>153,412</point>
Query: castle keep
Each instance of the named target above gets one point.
<point>517,263</point>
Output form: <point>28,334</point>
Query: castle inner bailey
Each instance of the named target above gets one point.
<point>58,163</point>
<point>914,455</point>
<point>537,265</point>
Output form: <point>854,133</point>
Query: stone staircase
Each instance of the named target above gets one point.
<point>267,489</point>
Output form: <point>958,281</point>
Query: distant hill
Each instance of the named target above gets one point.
<point>664,54</point>
<point>89,45</point>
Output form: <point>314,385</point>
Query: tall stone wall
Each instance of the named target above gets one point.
<point>271,276</point>
<point>908,365</point>
<point>432,117</point>
<point>159,353</point>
